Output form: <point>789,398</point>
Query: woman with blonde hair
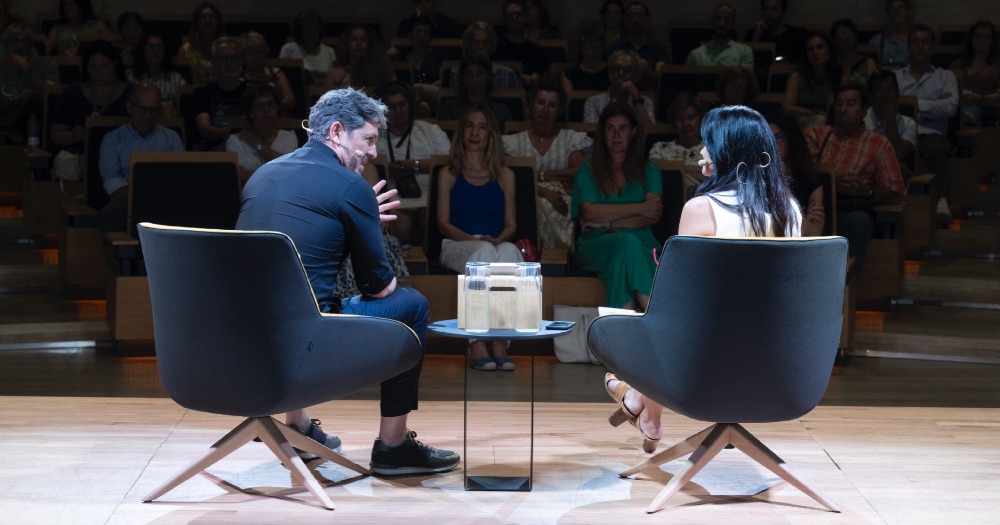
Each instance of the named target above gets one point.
<point>476,210</point>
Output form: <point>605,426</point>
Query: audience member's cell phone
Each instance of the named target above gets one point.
<point>560,325</point>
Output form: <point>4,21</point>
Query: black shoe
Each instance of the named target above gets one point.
<point>315,433</point>
<point>410,457</point>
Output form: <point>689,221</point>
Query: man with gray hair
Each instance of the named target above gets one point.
<point>480,39</point>
<point>316,196</point>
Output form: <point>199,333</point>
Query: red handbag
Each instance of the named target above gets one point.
<point>527,248</point>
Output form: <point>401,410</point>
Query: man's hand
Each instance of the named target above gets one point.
<point>384,206</point>
<point>945,95</point>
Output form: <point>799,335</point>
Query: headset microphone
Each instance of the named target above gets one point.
<point>704,162</point>
<point>359,154</point>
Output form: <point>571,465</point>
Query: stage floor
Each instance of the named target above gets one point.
<point>88,460</point>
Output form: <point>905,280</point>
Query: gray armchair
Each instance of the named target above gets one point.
<point>238,332</point>
<point>738,331</point>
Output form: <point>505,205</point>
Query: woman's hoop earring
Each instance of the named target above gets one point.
<point>744,164</point>
<point>768,159</point>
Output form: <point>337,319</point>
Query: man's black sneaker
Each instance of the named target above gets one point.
<point>315,433</point>
<point>410,457</point>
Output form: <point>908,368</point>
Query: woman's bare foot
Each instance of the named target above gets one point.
<point>478,350</point>
<point>499,348</point>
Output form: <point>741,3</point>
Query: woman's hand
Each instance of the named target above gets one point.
<point>652,209</point>
<point>554,198</point>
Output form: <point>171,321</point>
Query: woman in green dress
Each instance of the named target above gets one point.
<point>616,199</point>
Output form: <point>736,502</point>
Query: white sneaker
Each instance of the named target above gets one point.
<point>943,212</point>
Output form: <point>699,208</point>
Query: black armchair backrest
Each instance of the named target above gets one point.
<point>738,330</point>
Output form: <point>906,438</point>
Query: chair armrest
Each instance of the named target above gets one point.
<point>889,219</point>
<point>78,215</point>
<point>920,184</point>
<point>123,249</point>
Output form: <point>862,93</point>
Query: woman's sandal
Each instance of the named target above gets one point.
<point>623,414</point>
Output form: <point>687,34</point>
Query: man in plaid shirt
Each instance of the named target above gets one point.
<point>867,170</point>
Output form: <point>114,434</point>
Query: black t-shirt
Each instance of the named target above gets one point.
<point>531,56</point>
<point>444,27</point>
<point>219,104</point>
<point>329,211</point>
<point>787,45</point>
<point>584,81</point>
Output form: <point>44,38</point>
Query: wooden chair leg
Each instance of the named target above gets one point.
<point>742,439</point>
<point>708,449</point>
<point>275,440</point>
<point>232,441</point>
<point>670,454</point>
<point>301,442</point>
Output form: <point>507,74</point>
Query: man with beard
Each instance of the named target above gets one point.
<point>317,196</point>
<point>624,71</point>
<point>722,50</point>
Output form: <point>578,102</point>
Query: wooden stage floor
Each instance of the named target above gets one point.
<point>88,460</point>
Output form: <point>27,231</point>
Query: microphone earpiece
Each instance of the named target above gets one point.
<point>359,154</point>
<point>704,162</point>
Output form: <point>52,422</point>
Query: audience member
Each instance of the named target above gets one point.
<point>617,199</point>
<point>883,117</point>
<point>722,49</point>
<point>475,87</point>
<point>425,61</point>
<point>316,197</point>
<point>623,72</point>
<point>216,105</point>
<point>141,133</point>
<point>558,153</point>
<point>260,141</point>
<point>685,113</point>
<point>361,60</point>
<point>442,26</point>
<point>476,212</point>
<point>654,55</point>
<point>76,18</point>
<point>853,65</point>
<point>737,86</point>
<point>23,77</point>
<point>152,66</point>
<point>745,195</point>
<point>514,45</point>
<point>771,27</point>
<point>206,26</point>
<point>938,97</point>
<point>538,21</point>
<point>867,170</point>
<point>892,41</point>
<point>810,87</point>
<point>7,15</point>
<point>255,51</point>
<point>101,92</point>
<point>408,144</point>
<point>798,165</point>
<point>591,73</point>
<point>307,35</point>
<point>480,39</point>
<point>612,23</point>
<point>130,29</point>
<point>978,70</point>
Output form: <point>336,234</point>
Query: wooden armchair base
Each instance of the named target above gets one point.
<point>705,445</point>
<point>280,439</point>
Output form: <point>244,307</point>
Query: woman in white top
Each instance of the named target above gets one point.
<point>745,194</point>
<point>558,153</point>
<point>260,141</point>
<point>317,57</point>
